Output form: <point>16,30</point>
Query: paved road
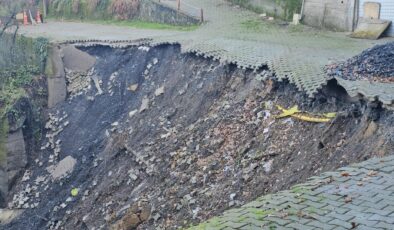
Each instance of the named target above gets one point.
<point>296,53</point>
<point>63,31</point>
<point>360,197</point>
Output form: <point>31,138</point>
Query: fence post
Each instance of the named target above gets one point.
<point>202,15</point>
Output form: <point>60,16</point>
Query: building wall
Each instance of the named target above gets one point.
<point>269,6</point>
<point>386,12</point>
<point>332,14</point>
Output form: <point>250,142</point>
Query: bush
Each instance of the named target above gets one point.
<point>124,9</point>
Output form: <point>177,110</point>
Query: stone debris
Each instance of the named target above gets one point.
<point>55,125</point>
<point>374,64</point>
<point>112,83</point>
<point>159,91</point>
<point>133,87</point>
<point>135,215</point>
<point>7,215</point>
<point>132,113</point>
<point>144,104</point>
<point>144,48</point>
<point>78,83</point>
<point>98,84</point>
<point>63,168</point>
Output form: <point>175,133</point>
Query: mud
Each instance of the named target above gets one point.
<point>175,139</point>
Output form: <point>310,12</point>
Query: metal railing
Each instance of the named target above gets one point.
<point>185,8</point>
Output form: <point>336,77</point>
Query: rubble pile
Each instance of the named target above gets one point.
<point>175,139</point>
<point>375,64</point>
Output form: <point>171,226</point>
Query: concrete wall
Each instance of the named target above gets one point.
<point>269,6</point>
<point>332,14</point>
<point>155,12</point>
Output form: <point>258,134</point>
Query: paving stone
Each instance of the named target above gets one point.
<point>321,225</point>
<point>370,210</point>
<point>299,226</point>
<point>341,223</point>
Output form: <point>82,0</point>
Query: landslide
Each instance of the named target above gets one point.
<point>175,139</point>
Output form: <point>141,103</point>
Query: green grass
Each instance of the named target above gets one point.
<point>138,24</point>
<point>256,25</point>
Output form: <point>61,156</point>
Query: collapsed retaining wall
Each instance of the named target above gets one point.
<point>18,54</point>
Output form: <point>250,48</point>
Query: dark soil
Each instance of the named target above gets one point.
<point>374,64</point>
<point>208,143</point>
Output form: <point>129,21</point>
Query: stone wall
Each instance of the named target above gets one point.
<point>155,12</point>
<point>336,15</point>
<point>269,6</point>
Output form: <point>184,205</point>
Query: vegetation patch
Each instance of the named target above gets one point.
<point>3,140</point>
<point>289,7</point>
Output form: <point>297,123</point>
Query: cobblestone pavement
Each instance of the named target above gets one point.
<point>234,35</point>
<point>360,196</point>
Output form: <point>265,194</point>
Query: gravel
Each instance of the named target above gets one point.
<point>374,64</point>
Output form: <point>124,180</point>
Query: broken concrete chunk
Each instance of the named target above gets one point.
<point>97,84</point>
<point>133,87</point>
<point>144,104</point>
<point>63,168</point>
<point>7,215</point>
<point>159,91</point>
<point>155,61</point>
<point>132,113</point>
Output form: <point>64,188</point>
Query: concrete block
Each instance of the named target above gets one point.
<point>370,28</point>
<point>372,10</point>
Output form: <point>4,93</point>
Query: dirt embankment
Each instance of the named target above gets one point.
<point>159,139</point>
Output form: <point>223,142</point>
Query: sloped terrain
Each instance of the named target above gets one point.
<point>159,140</point>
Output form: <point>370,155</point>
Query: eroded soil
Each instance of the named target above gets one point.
<point>175,139</point>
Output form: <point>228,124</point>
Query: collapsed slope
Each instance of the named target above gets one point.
<point>173,139</point>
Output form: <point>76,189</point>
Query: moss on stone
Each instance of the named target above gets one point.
<point>3,141</point>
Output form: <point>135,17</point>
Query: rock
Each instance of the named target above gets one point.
<point>159,91</point>
<point>133,87</point>
<point>135,215</point>
<point>97,84</point>
<point>371,129</point>
<point>63,168</point>
<point>132,113</point>
<point>267,166</point>
<point>144,104</point>
<point>155,61</point>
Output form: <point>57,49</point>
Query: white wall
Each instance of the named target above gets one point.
<point>386,12</point>
<point>332,14</point>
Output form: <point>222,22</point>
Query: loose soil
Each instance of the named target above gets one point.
<point>176,139</point>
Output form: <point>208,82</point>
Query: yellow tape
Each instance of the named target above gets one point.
<point>296,113</point>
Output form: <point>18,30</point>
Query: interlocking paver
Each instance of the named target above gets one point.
<point>373,212</point>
